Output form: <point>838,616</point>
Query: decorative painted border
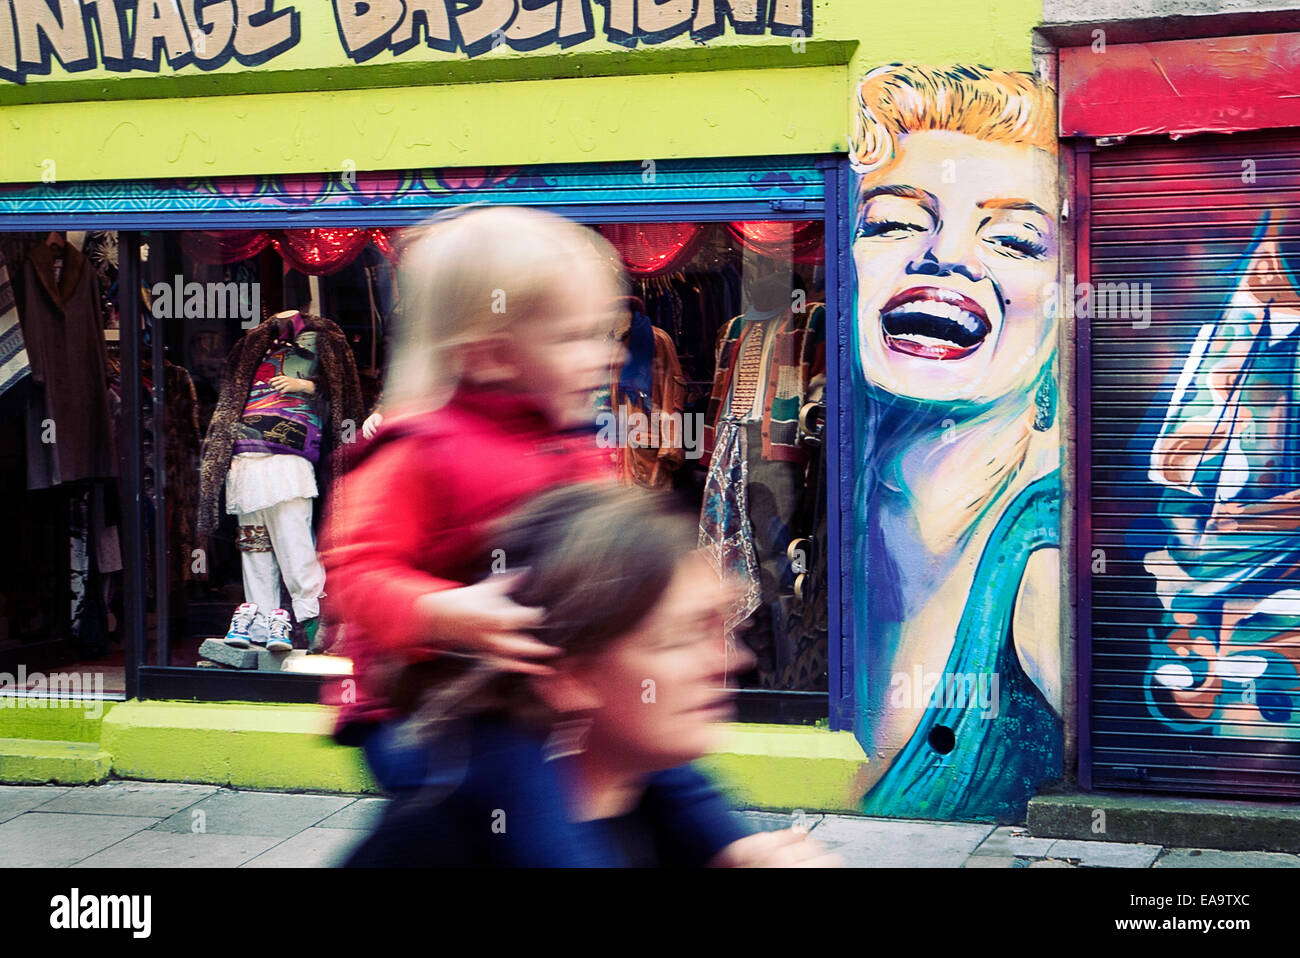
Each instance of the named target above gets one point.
<point>667,181</point>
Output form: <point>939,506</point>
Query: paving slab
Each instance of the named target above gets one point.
<point>1105,854</point>
<point>994,861</point>
<point>776,821</point>
<point>1051,863</point>
<point>899,843</point>
<point>17,799</point>
<point>1213,858</point>
<point>39,840</point>
<point>1015,842</point>
<point>363,814</point>
<point>146,799</point>
<point>155,849</point>
<point>272,814</point>
<point>310,848</point>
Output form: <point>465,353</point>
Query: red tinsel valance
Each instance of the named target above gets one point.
<point>801,242</point>
<point>314,251</point>
<point>649,249</point>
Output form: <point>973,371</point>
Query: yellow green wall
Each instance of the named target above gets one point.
<point>311,110</point>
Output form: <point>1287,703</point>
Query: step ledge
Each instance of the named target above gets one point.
<point>1175,821</point>
<point>25,761</point>
<point>279,746</point>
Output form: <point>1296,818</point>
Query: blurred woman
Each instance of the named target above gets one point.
<point>588,764</point>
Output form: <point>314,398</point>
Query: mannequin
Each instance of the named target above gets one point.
<point>263,446</point>
<point>766,358</point>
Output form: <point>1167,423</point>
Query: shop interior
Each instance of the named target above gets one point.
<point>711,312</point>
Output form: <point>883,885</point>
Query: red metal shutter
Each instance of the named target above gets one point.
<point>1191,461</point>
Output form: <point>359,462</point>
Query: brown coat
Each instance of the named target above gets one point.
<point>652,465</point>
<point>64,334</point>
<point>339,385</point>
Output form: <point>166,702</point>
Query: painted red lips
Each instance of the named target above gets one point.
<point>934,323</point>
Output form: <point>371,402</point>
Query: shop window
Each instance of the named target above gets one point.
<point>61,621</point>
<point>724,334</point>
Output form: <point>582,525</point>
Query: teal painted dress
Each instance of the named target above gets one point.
<point>958,763</point>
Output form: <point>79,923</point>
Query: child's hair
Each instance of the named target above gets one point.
<point>596,558</point>
<point>474,273</point>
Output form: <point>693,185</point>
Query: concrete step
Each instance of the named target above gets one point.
<point>1172,821</point>
<point>41,717</point>
<point>26,761</point>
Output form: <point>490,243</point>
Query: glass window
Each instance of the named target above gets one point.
<point>61,576</point>
<point>272,343</point>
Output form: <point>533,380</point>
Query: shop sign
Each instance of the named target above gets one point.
<point>81,35</point>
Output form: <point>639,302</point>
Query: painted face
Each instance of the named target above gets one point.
<point>955,250</point>
<point>661,687</point>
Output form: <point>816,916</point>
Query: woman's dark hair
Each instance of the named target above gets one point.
<point>597,559</point>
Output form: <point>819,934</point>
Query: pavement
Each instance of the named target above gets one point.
<point>125,824</point>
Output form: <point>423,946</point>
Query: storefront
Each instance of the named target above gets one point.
<point>916,208</point>
<point>702,205</point>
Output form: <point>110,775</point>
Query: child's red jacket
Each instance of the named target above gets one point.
<point>411,514</point>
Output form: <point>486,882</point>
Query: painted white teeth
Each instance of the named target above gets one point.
<point>939,310</point>
<point>922,340</point>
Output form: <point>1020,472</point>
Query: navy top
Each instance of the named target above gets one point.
<point>506,806</point>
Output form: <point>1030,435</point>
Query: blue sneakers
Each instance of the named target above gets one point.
<point>280,638</point>
<point>240,633</point>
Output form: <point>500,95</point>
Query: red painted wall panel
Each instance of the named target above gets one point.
<point>1219,85</point>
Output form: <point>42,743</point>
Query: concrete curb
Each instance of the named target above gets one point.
<point>1169,821</point>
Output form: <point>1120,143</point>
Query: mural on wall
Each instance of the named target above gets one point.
<point>956,511</point>
<point>1227,463</point>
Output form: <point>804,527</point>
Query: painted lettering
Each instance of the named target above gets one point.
<point>40,36</point>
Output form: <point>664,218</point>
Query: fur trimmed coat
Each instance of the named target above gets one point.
<point>339,387</point>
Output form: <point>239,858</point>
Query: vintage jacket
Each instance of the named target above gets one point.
<point>339,386</point>
<point>798,355</point>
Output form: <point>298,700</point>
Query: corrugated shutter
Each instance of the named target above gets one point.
<point>1193,494</point>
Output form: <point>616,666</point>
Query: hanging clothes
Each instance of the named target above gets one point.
<point>93,552</point>
<point>797,354</point>
<point>14,363</point>
<point>755,482</point>
<point>180,460</point>
<point>648,384</point>
<point>182,440</point>
<point>69,434</point>
<point>100,249</point>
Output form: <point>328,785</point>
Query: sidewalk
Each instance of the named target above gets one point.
<point>140,825</point>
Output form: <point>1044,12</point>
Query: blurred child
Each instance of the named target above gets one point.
<point>504,336</point>
<point>588,764</point>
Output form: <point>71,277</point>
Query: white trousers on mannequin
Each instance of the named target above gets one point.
<point>277,541</point>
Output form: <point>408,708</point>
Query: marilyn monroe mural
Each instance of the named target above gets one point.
<point>959,683</point>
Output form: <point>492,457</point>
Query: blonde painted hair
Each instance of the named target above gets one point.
<point>479,273</point>
<point>993,105</point>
